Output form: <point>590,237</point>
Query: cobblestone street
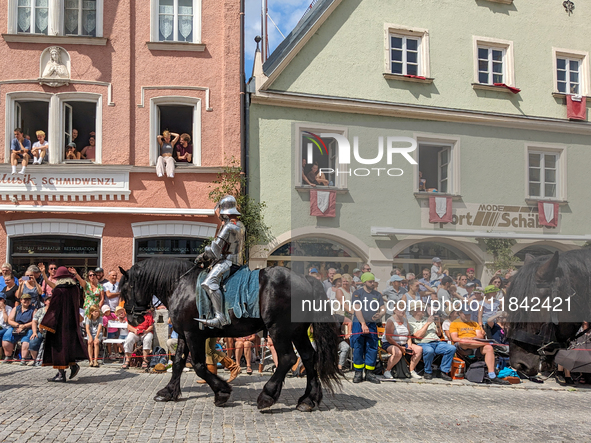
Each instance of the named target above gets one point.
<point>108,404</point>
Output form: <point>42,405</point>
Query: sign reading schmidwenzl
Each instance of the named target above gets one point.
<point>485,217</point>
<point>56,182</point>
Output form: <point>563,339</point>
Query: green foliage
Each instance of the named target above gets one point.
<point>231,182</point>
<point>500,249</point>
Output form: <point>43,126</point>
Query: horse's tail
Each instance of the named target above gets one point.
<point>326,336</point>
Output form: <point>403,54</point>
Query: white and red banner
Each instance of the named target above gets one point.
<point>548,214</point>
<point>439,209</point>
<point>323,203</point>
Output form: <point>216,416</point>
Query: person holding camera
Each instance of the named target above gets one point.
<point>28,285</point>
<point>369,308</point>
<point>426,333</point>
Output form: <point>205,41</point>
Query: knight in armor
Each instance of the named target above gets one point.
<point>226,250</point>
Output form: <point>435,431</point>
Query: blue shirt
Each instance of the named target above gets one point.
<point>15,145</point>
<point>3,283</point>
<point>368,301</point>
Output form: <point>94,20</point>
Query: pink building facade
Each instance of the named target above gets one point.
<point>122,72</point>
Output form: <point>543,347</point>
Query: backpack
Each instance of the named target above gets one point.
<point>158,356</point>
<point>476,372</point>
<point>401,370</point>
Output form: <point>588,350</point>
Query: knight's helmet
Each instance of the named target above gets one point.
<point>227,206</point>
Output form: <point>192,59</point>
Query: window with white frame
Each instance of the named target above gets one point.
<point>491,68</point>
<point>80,17</point>
<point>436,168</point>
<point>33,16</point>
<point>493,61</point>
<point>56,18</point>
<point>543,174</point>
<point>318,161</point>
<point>568,75</point>
<point>405,55</point>
<point>407,51</point>
<point>176,21</point>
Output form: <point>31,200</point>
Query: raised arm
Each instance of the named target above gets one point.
<point>77,277</point>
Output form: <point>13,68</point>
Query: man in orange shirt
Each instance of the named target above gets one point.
<point>464,334</point>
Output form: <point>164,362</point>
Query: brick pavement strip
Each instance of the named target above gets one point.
<point>108,404</point>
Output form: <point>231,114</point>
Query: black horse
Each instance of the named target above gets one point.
<point>173,281</point>
<point>536,336</point>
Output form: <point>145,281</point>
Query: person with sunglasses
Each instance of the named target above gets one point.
<point>48,282</point>
<point>94,294</point>
<point>7,273</point>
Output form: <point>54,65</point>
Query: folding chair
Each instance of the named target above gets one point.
<point>119,341</point>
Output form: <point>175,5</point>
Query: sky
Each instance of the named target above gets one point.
<point>285,13</point>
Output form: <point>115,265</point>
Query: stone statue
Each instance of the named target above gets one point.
<point>55,73</point>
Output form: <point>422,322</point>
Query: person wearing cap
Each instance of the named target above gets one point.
<point>100,275</point>
<point>436,272</point>
<point>64,345</point>
<point>356,276</point>
<point>463,331</point>
<point>20,321</point>
<point>369,308</point>
<point>394,292</point>
<point>426,333</point>
<point>328,282</point>
<point>471,274</point>
<point>489,306</point>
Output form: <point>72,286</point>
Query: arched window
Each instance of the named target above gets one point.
<point>312,252</point>
<point>420,255</point>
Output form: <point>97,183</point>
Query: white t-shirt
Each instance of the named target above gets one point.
<point>2,324</point>
<point>445,327</point>
<point>112,302</point>
<point>40,145</point>
<point>461,291</point>
<point>436,273</point>
<point>400,333</point>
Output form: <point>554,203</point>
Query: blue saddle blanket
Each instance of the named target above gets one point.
<point>241,294</point>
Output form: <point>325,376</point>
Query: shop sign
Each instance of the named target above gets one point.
<point>489,217</point>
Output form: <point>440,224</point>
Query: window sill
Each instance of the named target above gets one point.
<point>181,169</point>
<point>491,88</point>
<point>563,95</point>
<point>505,2</point>
<point>79,162</point>
<point>389,76</point>
<point>535,200</point>
<point>175,46</point>
<point>425,194</point>
<point>322,188</point>
<point>55,39</point>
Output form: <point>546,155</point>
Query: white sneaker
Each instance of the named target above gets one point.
<point>413,374</point>
<point>22,171</point>
<point>39,161</point>
<point>159,175</point>
<point>388,375</point>
<point>13,170</point>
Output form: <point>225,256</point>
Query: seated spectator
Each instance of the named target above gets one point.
<point>313,177</point>
<point>112,293</point>
<point>74,136</point>
<point>244,345</point>
<point>465,334</point>
<point>422,183</point>
<point>112,333</point>
<point>40,148</point>
<point>7,272</point>
<point>20,321</point>
<point>121,318</point>
<point>397,342</point>
<point>28,285</point>
<point>165,161</point>
<point>9,291</point>
<point>172,342</point>
<point>184,149</point>
<point>71,152</point>
<point>38,335</point>
<point>142,332</point>
<point>496,327</point>
<point>453,315</point>
<point>89,152</point>
<point>4,313</point>
<point>20,150</point>
<point>426,334</point>
<point>94,334</point>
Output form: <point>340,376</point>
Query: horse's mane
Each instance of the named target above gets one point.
<point>574,276</point>
<point>157,276</point>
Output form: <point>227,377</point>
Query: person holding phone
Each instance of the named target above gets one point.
<point>30,286</point>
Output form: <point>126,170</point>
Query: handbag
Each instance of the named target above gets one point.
<point>476,372</point>
<point>401,369</point>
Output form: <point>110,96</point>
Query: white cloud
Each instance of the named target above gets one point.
<point>285,13</point>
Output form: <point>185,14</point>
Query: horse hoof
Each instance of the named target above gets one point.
<point>305,407</point>
<point>264,401</point>
<point>162,398</point>
<point>221,398</point>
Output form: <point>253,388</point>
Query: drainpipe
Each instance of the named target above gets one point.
<point>243,101</point>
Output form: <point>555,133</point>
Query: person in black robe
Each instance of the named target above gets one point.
<point>64,345</point>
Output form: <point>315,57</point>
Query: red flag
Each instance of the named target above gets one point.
<point>548,214</point>
<point>576,109</point>
<point>510,88</point>
<point>323,203</point>
<point>439,209</point>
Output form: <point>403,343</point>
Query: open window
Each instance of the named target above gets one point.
<point>436,168</point>
<point>31,116</point>
<point>181,115</point>
<point>79,126</point>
